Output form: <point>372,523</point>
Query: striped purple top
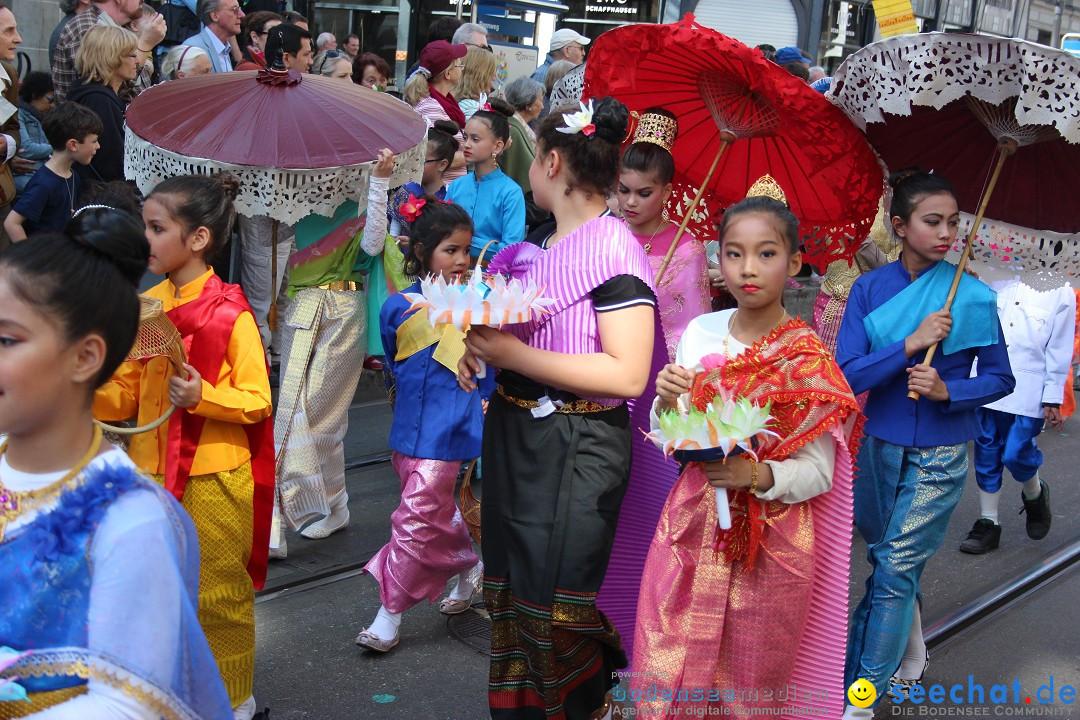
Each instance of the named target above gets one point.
<point>569,271</point>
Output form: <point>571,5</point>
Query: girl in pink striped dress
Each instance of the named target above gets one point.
<point>558,433</point>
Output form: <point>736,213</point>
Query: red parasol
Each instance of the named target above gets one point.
<point>996,116</point>
<point>741,117</point>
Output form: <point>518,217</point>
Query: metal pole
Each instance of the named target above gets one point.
<point>1055,33</point>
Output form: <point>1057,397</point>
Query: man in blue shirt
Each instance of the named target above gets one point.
<point>221,23</point>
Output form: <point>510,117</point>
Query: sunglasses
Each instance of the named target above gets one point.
<point>482,47</point>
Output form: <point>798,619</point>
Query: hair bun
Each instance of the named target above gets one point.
<point>447,126</point>
<point>229,184</point>
<point>115,235</point>
<point>502,107</point>
<point>611,119</point>
<point>901,175</point>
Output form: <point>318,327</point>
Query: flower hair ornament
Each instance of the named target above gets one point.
<point>412,208</point>
<point>483,103</point>
<point>579,122</point>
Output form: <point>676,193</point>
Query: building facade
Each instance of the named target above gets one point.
<point>850,25</point>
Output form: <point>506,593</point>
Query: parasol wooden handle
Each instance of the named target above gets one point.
<point>153,425</point>
<point>725,141</point>
<point>1006,147</point>
<point>271,315</point>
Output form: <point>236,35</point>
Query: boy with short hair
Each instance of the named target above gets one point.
<point>1039,329</point>
<point>51,196</point>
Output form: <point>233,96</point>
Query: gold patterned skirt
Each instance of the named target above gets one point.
<point>220,505</point>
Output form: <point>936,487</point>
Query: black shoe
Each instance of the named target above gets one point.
<point>1038,513</point>
<point>984,537</point>
<point>264,715</point>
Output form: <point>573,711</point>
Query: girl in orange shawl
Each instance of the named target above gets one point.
<point>755,616</point>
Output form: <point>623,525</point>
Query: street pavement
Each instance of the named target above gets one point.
<point>317,600</point>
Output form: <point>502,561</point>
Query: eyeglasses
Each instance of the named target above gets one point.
<point>431,161</point>
<point>482,47</point>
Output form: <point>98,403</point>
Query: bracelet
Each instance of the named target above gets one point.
<point>753,477</point>
<point>145,51</point>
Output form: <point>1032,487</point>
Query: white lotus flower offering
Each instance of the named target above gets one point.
<point>727,426</point>
<point>482,299</point>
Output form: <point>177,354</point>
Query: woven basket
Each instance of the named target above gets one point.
<point>470,506</point>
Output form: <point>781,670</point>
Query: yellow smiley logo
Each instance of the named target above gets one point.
<point>861,694</point>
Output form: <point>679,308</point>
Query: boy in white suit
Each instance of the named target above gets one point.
<point>1038,329</point>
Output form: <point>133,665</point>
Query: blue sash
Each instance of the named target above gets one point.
<point>974,311</point>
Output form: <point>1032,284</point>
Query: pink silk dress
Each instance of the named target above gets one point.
<point>683,294</point>
<point>757,623</point>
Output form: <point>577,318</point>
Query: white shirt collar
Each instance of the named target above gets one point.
<point>220,49</point>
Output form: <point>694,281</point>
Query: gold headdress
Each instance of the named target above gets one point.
<point>766,186</point>
<point>656,129</point>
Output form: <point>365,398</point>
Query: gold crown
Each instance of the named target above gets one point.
<point>656,129</point>
<point>766,186</point>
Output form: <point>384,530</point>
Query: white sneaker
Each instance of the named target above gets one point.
<point>246,709</point>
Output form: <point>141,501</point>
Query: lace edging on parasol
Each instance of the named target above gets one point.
<point>904,71</point>
<point>287,195</point>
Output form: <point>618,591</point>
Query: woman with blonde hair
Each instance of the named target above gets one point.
<point>108,57</point>
<point>476,79</point>
<point>333,64</point>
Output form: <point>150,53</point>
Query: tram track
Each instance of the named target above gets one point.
<point>938,632</point>
<point>1005,596</point>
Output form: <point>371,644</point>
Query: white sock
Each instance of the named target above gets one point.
<point>914,660</point>
<point>1032,489</point>
<point>385,625</point>
<point>245,710</point>
<point>988,505</point>
<point>464,589</point>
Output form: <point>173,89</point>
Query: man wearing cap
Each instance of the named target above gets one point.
<point>565,45</point>
<point>794,61</point>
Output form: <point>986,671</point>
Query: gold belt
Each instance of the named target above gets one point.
<point>576,407</point>
<point>340,285</point>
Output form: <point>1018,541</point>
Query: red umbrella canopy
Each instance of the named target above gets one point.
<point>252,118</point>
<point>781,127</point>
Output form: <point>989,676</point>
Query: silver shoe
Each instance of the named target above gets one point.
<point>370,641</point>
<point>451,606</point>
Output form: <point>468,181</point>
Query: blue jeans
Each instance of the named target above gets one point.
<point>1006,441</point>
<point>904,498</point>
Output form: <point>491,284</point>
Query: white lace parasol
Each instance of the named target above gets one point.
<point>288,195</point>
<point>934,69</point>
<point>1044,260</point>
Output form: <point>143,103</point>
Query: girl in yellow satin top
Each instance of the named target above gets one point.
<point>215,453</point>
